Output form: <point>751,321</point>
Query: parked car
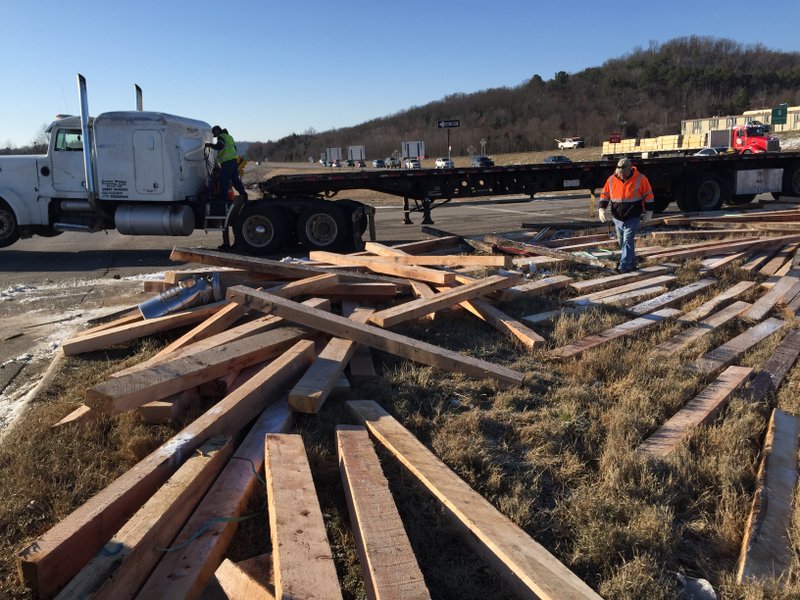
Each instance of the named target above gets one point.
<point>412,163</point>
<point>444,163</point>
<point>556,159</point>
<point>481,161</point>
<point>350,162</point>
<point>570,142</point>
<point>361,164</point>
<point>391,162</point>
<point>715,151</point>
<point>336,163</point>
<point>378,163</point>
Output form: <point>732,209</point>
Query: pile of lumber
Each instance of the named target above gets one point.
<point>280,343</point>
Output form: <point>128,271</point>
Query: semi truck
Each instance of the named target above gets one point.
<point>154,177</point>
<point>752,138</point>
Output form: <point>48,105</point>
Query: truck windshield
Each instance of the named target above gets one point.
<point>755,132</point>
<point>69,139</point>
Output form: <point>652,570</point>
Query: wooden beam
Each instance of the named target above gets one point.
<point>552,314</point>
<point>457,260</point>
<point>672,297</point>
<point>234,583</point>
<point>776,262</point>
<point>184,572</point>
<point>587,286</point>
<point>684,339</point>
<point>53,558</point>
<point>767,302</point>
<point>637,284</point>
<point>529,569</point>
<point>128,558</point>
<point>119,394</point>
<point>420,247</point>
<point>712,363</point>
<point>626,298</point>
<point>781,361</point>
<point>302,556</point>
<point>423,306</point>
<point>766,548</point>
<point>388,563</point>
<point>381,265</point>
<point>375,337</point>
<point>135,330</point>
<point>629,327</point>
<point>551,252</point>
<point>542,286</point>
<point>379,291</point>
<point>719,248</point>
<point>309,394</point>
<point>705,309</point>
<point>169,409</point>
<point>701,410</point>
<point>505,324</point>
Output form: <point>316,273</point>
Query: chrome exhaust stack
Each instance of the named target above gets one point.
<point>138,97</point>
<point>87,145</point>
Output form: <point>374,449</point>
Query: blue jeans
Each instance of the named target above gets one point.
<point>626,234</point>
<point>229,174</point>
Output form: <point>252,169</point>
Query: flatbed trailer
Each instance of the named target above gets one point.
<point>695,183</point>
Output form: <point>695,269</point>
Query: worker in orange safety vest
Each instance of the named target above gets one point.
<point>631,198</point>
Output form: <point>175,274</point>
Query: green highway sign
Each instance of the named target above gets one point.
<point>779,114</point>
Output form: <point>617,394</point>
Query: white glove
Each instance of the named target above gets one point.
<point>647,217</point>
<point>602,214</point>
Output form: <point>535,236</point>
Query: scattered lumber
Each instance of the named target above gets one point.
<point>715,361</point>
<point>701,410</point>
<point>524,564</point>
<point>684,339</point>
<point>780,362</point>
<point>51,560</point>
<point>587,286</point>
<point>375,337</point>
<point>720,263</point>
<point>541,286</point>
<point>388,562</point>
<point>125,561</point>
<point>766,547</point>
<point>302,557</point>
<point>104,338</point>
<point>705,309</point>
<point>625,329</point>
<point>232,582</point>
<point>552,314</point>
<point>773,265</point>
<point>459,260</point>
<point>127,392</point>
<point>626,298</point>
<point>422,306</point>
<point>384,266</point>
<point>185,571</point>
<point>502,242</point>
<point>503,323</point>
<point>420,247</point>
<point>767,302</point>
<point>717,248</point>
<point>672,297</point>
<point>309,394</point>
<point>637,284</point>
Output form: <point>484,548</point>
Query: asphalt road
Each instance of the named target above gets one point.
<point>52,286</point>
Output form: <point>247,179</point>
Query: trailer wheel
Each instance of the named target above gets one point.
<point>706,193</point>
<point>323,227</point>
<point>9,229</point>
<point>791,181</point>
<point>260,229</point>
<point>661,202</point>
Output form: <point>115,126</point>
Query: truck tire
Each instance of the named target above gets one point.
<point>261,229</point>
<point>9,228</point>
<point>350,206</point>
<point>706,193</point>
<point>661,202</point>
<point>46,231</point>
<point>323,226</point>
<point>791,181</point>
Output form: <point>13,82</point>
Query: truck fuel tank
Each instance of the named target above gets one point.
<point>130,219</point>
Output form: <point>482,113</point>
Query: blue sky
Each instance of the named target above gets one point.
<point>265,69</point>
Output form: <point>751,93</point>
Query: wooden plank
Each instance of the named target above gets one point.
<point>362,368</point>
<point>588,286</point>
<point>52,559</point>
<point>273,267</point>
<point>388,563</point>
<point>82,414</point>
<point>672,297</point>
<point>185,571</point>
<point>776,262</point>
<point>629,297</point>
<point>781,361</point>
<point>699,411</point>
<point>132,331</point>
<point>529,569</point>
<point>766,548</point>
<point>380,265</point>
<point>234,583</point>
<point>720,248</point>
<point>684,339</point>
<point>457,260</point>
<point>302,556</point>
<point>423,306</point>
<point>505,324</point>
<point>629,327</point>
<point>379,291</point>
<point>420,247</point>
<point>119,394</point>
<point>162,412</point>
<point>309,394</point>
<point>637,284</point>
<point>133,316</point>
<point>715,361</point>
<point>762,256</point>
<point>550,252</point>
<point>375,337</point>
<point>705,309</point>
<point>128,558</point>
<point>542,286</point>
<point>767,302</point>
<point>580,239</point>
<point>552,314</point>
<point>720,263</point>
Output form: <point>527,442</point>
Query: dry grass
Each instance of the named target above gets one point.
<point>557,457</point>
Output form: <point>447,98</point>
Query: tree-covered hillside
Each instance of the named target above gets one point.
<point>647,92</point>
